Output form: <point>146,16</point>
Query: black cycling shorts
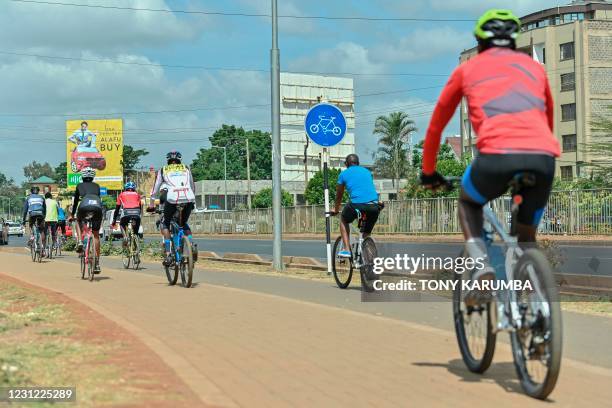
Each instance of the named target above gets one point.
<point>37,220</point>
<point>96,220</point>
<point>371,211</point>
<point>489,174</point>
<point>125,220</point>
<point>168,214</point>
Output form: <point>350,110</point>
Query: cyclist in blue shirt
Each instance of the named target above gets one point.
<point>363,197</point>
<point>61,219</point>
<point>34,211</point>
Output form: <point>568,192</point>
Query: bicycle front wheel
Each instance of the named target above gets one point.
<point>341,267</point>
<point>537,344</point>
<point>473,328</point>
<point>186,263</point>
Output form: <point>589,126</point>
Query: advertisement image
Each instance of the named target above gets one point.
<point>95,143</point>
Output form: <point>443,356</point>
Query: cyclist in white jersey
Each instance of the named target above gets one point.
<point>177,178</point>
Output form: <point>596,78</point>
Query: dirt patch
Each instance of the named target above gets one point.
<point>47,339</point>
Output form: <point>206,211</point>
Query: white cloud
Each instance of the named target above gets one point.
<point>287,8</point>
<point>423,45</point>
<point>344,57</point>
<point>47,26</point>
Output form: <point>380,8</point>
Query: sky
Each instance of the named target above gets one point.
<point>175,77</point>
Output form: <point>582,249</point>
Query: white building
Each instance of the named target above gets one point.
<point>299,92</point>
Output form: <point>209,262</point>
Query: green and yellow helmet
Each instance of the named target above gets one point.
<point>497,24</point>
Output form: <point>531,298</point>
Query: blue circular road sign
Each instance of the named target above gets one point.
<point>325,124</point>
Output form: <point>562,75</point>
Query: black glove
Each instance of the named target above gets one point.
<point>434,180</point>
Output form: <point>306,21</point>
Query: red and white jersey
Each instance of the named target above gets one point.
<point>179,182</point>
<point>129,199</point>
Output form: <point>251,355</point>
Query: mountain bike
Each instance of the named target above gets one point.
<point>181,250</point>
<point>88,256</point>
<point>363,253</point>
<point>36,246</point>
<point>532,317</point>
<point>131,253</point>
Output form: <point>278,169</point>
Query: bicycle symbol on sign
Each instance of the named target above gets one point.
<point>326,125</point>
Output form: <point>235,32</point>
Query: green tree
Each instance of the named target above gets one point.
<point>393,135</point>
<point>209,165</point>
<point>35,170</point>
<point>11,195</point>
<point>131,158</point>
<point>109,202</point>
<point>314,190</point>
<point>601,147</point>
<point>447,165</point>
<point>263,199</point>
<point>59,174</point>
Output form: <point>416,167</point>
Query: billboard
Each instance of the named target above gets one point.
<point>96,143</point>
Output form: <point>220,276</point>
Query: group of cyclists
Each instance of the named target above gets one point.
<point>174,185</point>
<point>511,110</point>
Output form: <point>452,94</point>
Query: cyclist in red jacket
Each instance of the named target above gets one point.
<point>130,206</point>
<point>511,111</point>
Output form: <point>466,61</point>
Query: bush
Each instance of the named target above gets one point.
<point>263,199</point>
<point>315,193</point>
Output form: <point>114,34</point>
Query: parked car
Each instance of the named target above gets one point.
<point>15,228</point>
<point>109,233</point>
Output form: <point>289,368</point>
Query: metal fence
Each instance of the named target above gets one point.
<point>580,212</point>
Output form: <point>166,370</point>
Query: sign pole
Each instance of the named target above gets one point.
<point>277,256</point>
<point>327,214</point>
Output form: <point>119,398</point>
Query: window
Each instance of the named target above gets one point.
<point>568,82</point>
<point>568,112</point>
<point>569,143</point>
<point>567,173</point>
<point>567,51</point>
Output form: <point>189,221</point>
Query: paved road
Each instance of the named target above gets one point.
<point>253,340</point>
<point>577,257</point>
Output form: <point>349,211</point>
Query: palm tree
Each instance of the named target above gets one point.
<point>394,133</point>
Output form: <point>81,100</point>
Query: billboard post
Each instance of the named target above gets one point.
<point>96,143</point>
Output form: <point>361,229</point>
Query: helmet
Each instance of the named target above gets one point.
<point>34,189</point>
<point>497,24</point>
<point>351,160</point>
<point>88,173</point>
<point>130,185</point>
<point>174,156</point>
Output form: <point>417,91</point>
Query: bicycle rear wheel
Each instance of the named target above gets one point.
<point>172,270</point>
<point>135,252</point>
<point>186,263</point>
<point>83,266</point>
<point>341,267</point>
<point>369,252</point>
<point>91,255</point>
<point>126,255</point>
<point>33,249</point>
<point>40,250</point>
<point>537,345</point>
<point>473,328</point>
<point>49,245</point>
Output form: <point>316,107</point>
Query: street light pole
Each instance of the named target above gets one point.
<point>248,154</point>
<point>277,257</point>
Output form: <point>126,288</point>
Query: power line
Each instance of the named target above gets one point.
<point>207,68</point>
<point>242,14</point>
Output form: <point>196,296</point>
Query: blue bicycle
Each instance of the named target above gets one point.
<point>182,253</point>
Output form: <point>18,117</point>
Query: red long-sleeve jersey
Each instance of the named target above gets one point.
<point>510,106</point>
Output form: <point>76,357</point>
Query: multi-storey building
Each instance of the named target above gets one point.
<point>299,92</point>
<point>574,43</point>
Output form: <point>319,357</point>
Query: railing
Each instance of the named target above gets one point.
<point>579,212</point>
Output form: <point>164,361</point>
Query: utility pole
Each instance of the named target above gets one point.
<point>225,173</point>
<point>248,174</point>
<point>277,257</point>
